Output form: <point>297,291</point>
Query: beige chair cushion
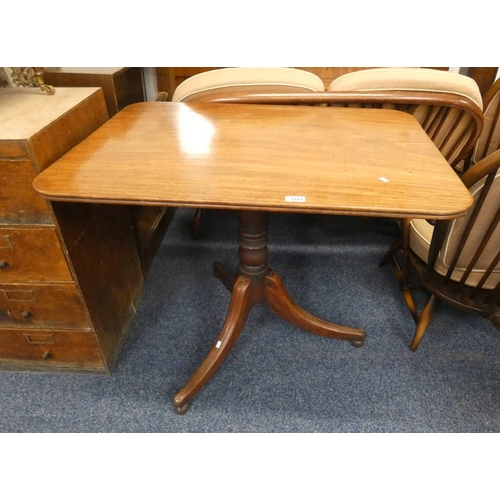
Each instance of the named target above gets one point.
<point>257,79</point>
<point>489,140</point>
<point>418,79</point>
<point>421,233</point>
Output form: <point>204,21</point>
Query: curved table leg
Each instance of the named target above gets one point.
<point>281,304</point>
<point>255,283</point>
<point>224,276</point>
<point>239,308</point>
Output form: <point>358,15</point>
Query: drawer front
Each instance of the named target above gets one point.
<point>14,148</point>
<point>31,255</point>
<point>19,204</point>
<point>41,306</point>
<point>50,349</point>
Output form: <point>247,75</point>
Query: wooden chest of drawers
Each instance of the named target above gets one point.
<point>70,275</point>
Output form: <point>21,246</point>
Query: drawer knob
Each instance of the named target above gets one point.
<point>46,355</point>
<point>25,314</point>
<point>3,264</point>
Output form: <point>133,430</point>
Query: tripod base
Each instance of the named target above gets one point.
<point>255,283</point>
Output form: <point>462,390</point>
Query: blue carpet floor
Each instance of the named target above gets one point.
<point>277,379</point>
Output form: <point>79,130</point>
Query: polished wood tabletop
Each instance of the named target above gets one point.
<point>270,158</point>
<point>257,159</point>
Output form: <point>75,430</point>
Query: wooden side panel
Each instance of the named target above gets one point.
<point>121,86</point>
<point>70,129</point>
<point>165,81</point>
<point>101,244</point>
<point>151,224</point>
<point>128,87</point>
<point>104,81</point>
<point>19,204</point>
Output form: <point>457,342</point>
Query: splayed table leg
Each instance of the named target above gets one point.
<point>255,283</point>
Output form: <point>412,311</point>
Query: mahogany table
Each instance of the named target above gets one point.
<point>258,159</point>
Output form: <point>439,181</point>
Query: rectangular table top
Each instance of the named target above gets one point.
<point>373,162</point>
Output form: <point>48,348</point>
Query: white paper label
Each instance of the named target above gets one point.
<point>218,344</point>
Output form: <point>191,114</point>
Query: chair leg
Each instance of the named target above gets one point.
<point>396,245</point>
<point>405,250</point>
<point>405,290</point>
<point>402,271</point>
<point>423,322</point>
<point>495,319</point>
<point>197,222</point>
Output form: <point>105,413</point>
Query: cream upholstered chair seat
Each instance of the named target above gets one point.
<point>408,79</point>
<point>255,80</point>
<point>458,261</point>
<point>489,140</point>
<point>450,128</point>
<point>421,232</point>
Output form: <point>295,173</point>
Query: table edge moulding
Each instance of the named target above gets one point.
<point>250,159</point>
